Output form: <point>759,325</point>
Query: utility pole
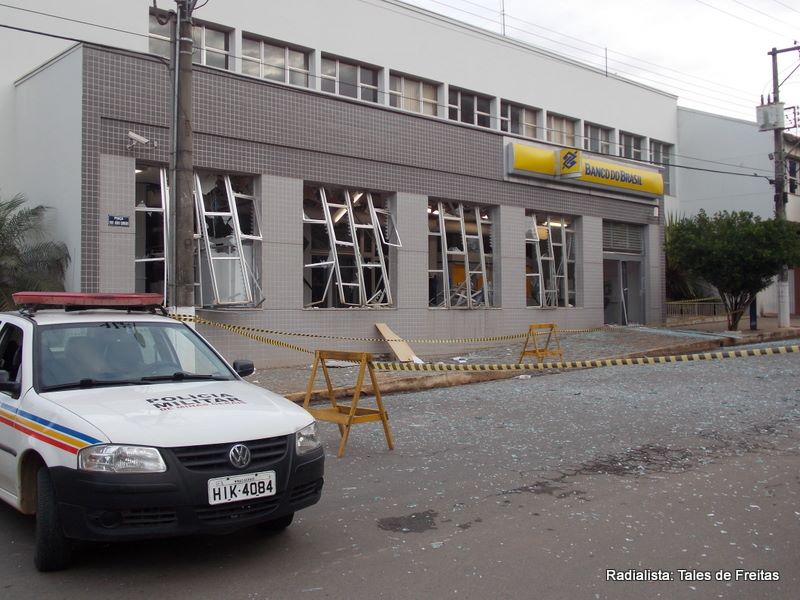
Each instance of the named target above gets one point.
<point>183,255</point>
<point>780,184</point>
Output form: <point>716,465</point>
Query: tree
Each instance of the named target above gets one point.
<point>736,252</point>
<point>680,284</point>
<point>29,260</point>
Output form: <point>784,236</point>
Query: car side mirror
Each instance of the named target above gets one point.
<point>11,387</point>
<point>243,368</point>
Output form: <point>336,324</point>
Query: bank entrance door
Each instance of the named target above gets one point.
<point>623,290</point>
<point>623,273</point>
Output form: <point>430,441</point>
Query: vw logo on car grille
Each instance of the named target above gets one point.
<point>239,456</point>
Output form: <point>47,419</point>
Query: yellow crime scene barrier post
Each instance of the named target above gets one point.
<point>541,352</point>
<point>347,415</point>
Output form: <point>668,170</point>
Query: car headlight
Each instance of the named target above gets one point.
<point>111,458</point>
<point>306,439</point>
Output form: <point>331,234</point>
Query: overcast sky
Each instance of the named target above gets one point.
<point>712,54</point>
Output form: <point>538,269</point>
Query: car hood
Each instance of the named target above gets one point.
<point>184,413</point>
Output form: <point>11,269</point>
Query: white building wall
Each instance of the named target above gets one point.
<point>47,150</point>
<point>720,143</point>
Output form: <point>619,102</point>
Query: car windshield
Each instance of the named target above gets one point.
<point>80,355</point>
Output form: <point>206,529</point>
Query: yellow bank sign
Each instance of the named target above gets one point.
<point>577,167</point>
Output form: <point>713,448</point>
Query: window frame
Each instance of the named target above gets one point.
<point>204,49</point>
<point>660,153</point>
<point>287,69</point>
<point>525,126</point>
<point>163,210</point>
<point>600,143</point>
<point>158,37</point>
<point>401,98</point>
<point>359,85</point>
<point>631,145</point>
<point>249,271</point>
<point>348,239</point>
<point>480,118</point>
<point>558,133</point>
<point>557,286</point>
<point>451,253</point>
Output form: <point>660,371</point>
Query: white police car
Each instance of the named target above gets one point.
<point>119,423</point>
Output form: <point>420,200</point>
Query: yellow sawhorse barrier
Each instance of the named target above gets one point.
<point>541,351</point>
<point>347,415</point>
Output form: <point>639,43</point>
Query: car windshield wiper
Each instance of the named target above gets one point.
<point>89,383</point>
<point>182,375</point>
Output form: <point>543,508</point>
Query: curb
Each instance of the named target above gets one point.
<point>451,379</point>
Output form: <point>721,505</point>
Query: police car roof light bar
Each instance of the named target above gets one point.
<point>31,301</point>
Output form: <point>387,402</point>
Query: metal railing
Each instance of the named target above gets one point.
<point>704,309</point>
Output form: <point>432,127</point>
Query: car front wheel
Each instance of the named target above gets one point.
<point>53,548</point>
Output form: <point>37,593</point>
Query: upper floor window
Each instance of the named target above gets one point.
<point>518,119</point>
<point>211,46</point>
<point>468,107</point>
<point>274,61</point>
<point>596,138</point>
<point>349,79</point>
<point>630,145</point>
<point>412,94</point>
<point>561,130</point>
<point>160,33</point>
<point>660,155</point>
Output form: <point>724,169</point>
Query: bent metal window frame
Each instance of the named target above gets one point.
<point>550,261</point>
<point>149,214</point>
<point>229,264</point>
<point>347,236</point>
<point>460,265</point>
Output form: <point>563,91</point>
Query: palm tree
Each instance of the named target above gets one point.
<point>29,260</point>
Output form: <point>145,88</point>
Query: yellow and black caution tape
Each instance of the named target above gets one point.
<point>587,364</point>
<point>243,331</point>
<point>467,340</point>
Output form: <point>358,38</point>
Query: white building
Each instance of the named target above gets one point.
<point>374,163</point>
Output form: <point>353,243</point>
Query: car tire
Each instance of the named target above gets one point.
<point>280,523</point>
<point>53,548</point>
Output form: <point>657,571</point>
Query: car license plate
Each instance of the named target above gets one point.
<point>236,488</point>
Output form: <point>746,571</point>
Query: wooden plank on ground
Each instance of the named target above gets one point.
<point>399,347</point>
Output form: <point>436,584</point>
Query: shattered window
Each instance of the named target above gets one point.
<point>347,235</point>
<point>549,260</point>
<point>150,232</point>
<point>229,240</point>
<point>460,255</point>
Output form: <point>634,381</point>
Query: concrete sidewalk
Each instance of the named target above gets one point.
<point>608,342</point>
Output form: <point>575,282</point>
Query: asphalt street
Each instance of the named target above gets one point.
<point>561,485</point>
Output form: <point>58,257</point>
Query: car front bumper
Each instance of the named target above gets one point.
<point>107,507</point>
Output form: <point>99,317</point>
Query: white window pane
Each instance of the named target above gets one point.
<point>160,47</point>
<point>395,83</point>
<point>348,80</point>
<point>216,39</point>
<point>250,67</point>
<point>328,67</point>
<point>274,73</point>
<point>214,59</point>
<point>298,78</point>
<point>411,96</point>
<point>369,76</point>
<point>251,48</point>
<point>273,55</point>
<point>298,60</point>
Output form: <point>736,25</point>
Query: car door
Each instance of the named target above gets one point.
<point>12,344</point>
